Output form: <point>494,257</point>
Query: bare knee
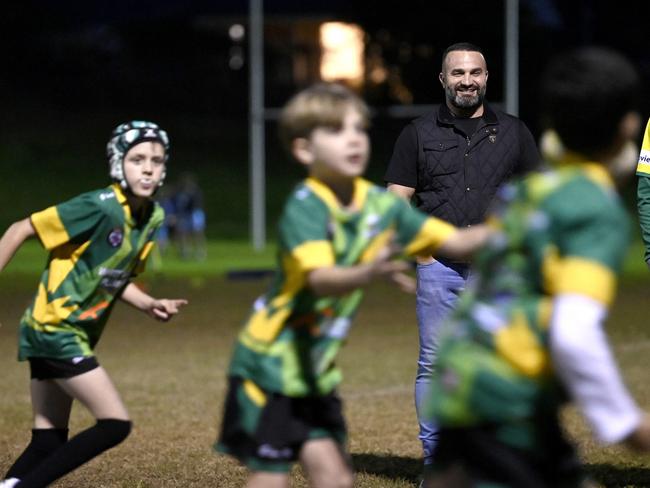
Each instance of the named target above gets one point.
<point>337,479</point>
<point>326,465</point>
<point>345,480</point>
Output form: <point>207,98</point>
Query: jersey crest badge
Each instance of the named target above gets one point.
<point>116,237</point>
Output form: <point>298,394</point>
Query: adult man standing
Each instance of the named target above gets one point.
<point>451,162</point>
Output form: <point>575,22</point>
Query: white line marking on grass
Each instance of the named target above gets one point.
<point>377,392</point>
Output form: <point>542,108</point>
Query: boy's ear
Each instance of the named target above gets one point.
<point>301,150</point>
<point>630,125</point>
<point>628,130</point>
<point>623,160</point>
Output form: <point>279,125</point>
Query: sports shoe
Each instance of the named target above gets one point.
<point>9,483</point>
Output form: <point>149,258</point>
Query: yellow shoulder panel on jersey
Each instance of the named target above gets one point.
<point>49,227</point>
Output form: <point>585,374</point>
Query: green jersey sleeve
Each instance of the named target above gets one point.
<point>303,232</point>
<point>417,233</point>
<point>589,244</point>
<point>67,221</point>
<point>597,234</point>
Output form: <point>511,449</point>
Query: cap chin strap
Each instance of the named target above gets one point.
<point>118,175</point>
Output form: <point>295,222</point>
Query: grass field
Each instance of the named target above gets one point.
<point>171,377</point>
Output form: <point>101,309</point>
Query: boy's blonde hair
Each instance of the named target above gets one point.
<point>320,105</point>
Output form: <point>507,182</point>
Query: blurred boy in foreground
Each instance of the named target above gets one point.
<point>528,335</point>
<point>338,232</point>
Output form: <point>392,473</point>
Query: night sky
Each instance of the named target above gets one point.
<point>121,53</point>
<point>72,70</point>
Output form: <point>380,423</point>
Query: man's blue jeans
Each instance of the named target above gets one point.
<point>438,286</point>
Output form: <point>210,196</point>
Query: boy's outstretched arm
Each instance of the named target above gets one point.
<point>13,238</point>
<point>584,362</point>
<point>159,308</point>
<point>339,280</point>
<point>463,244</point>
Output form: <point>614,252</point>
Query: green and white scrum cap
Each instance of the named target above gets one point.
<point>127,135</point>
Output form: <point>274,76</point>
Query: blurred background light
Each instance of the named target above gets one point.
<point>342,57</point>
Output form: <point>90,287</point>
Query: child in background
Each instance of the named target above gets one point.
<point>190,218</point>
<point>338,232</point>
<point>98,241</point>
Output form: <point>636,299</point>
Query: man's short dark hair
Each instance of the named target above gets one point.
<point>460,46</point>
<point>585,94</point>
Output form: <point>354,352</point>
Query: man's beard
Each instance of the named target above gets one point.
<point>465,102</point>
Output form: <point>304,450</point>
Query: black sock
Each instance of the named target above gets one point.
<point>44,442</point>
<point>77,451</point>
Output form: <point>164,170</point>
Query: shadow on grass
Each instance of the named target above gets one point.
<point>387,466</point>
<point>410,469</point>
<point>619,476</point>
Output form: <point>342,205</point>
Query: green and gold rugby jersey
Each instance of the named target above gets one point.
<point>95,248</point>
<point>292,337</point>
<point>643,190</point>
<point>562,232</point>
<point>643,166</point>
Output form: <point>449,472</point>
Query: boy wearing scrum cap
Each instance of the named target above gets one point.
<point>98,241</point>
